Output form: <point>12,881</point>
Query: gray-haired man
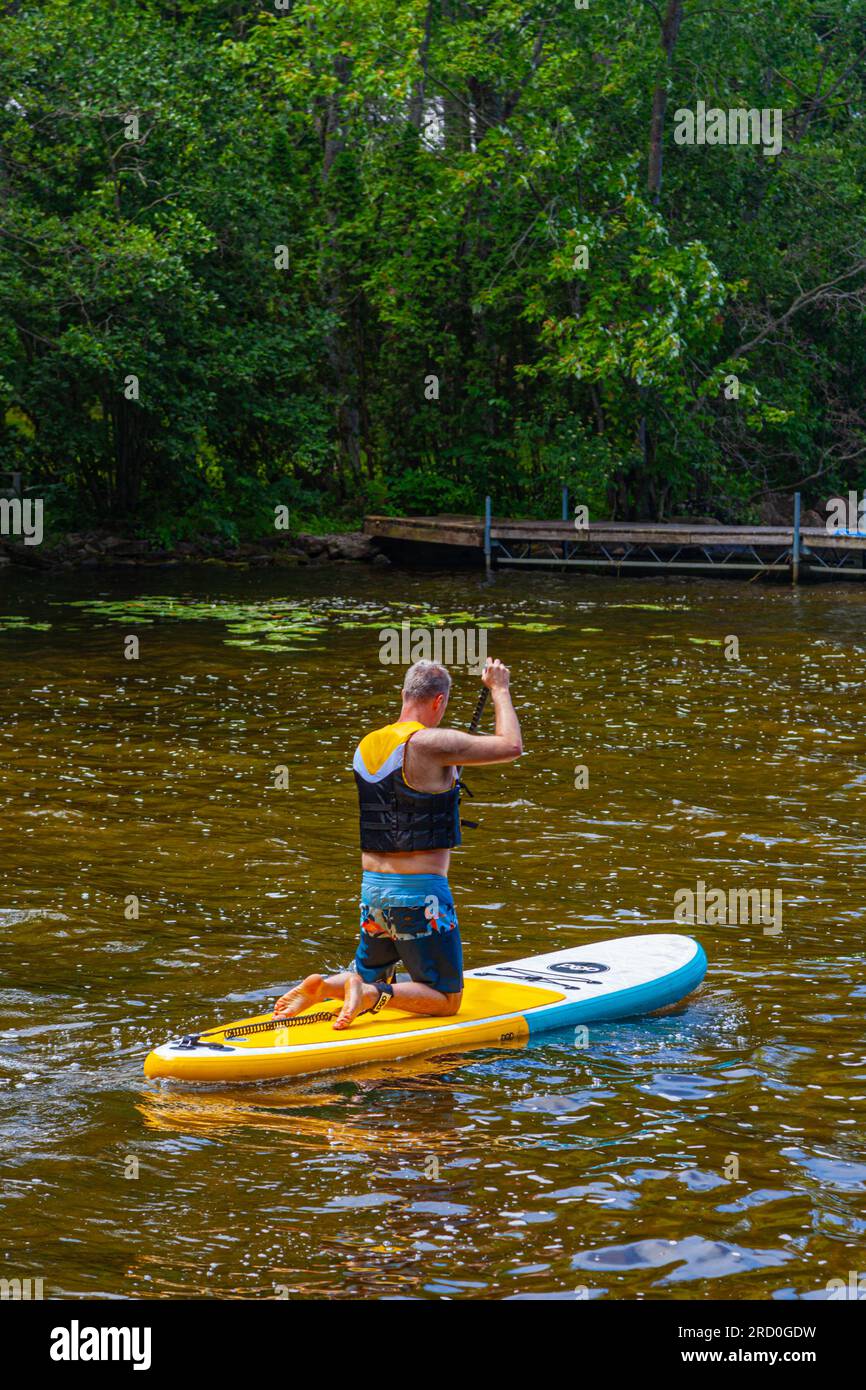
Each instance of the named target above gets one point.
<point>406,775</point>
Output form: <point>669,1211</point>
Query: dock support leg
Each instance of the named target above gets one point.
<point>795,544</point>
<point>565,517</point>
<point>488,559</point>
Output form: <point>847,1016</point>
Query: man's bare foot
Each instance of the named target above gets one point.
<point>309,991</point>
<point>358,996</point>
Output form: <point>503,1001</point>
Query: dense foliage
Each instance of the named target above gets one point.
<point>395,254</point>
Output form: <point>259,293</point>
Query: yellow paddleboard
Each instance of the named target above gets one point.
<point>501,1003</point>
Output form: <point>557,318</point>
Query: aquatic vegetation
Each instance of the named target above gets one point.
<point>645,607</point>
<point>284,625</point>
<point>14,622</point>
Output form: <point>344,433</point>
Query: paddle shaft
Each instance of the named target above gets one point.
<point>476,718</point>
<point>479,710</point>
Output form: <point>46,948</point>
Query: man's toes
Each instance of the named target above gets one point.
<point>351,1000</point>
<point>345,1016</point>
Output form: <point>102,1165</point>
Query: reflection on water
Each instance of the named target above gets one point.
<point>716,1152</point>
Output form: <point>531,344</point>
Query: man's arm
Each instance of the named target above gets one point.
<point>453,748</point>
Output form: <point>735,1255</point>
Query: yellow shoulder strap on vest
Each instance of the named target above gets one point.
<point>376,748</point>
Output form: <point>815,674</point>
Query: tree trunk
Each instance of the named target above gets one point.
<point>644,490</point>
<point>338,339</point>
<point>419,88</point>
<point>670,31</point>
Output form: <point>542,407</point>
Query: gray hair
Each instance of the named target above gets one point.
<point>425,680</point>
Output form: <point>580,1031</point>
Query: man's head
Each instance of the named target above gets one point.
<point>425,693</point>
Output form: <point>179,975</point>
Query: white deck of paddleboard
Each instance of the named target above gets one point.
<point>624,963</point>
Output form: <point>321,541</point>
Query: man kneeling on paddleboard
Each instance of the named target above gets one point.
<point>409,795</point>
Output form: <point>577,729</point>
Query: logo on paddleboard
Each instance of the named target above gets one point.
<point>560,970</point>
<point>577,967</point>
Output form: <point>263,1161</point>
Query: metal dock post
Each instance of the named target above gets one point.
<point>565,518</point>
<point>488,564</point>
<point>795,545</point>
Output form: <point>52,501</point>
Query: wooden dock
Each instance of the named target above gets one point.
<point>617,546</point>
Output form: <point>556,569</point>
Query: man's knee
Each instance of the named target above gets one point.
<point>451,1003</point>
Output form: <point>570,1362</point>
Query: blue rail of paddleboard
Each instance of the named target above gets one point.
<point>626,1003</point>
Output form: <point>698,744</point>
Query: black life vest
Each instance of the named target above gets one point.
<point>395,818</point>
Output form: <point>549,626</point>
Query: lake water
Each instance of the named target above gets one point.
<point>717,1152</point>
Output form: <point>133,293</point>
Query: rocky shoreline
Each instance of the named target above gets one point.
<point>103,549</point>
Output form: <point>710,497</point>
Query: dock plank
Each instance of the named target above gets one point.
<point>449,529</point>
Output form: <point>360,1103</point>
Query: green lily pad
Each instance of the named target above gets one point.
<point>14,622</point>
<point>284,625</point>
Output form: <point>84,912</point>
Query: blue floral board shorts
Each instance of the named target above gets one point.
<point>410,919</point>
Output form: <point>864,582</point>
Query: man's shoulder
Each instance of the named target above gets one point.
<point>432,735</point>
<point>434,739</point>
